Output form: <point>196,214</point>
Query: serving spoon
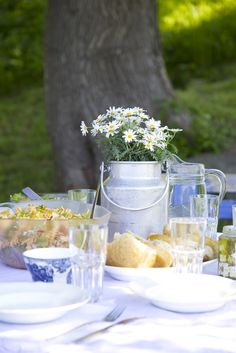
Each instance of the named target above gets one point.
<point>31,194</point>
<point>95,201</point>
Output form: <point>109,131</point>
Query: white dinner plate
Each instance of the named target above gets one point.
<point>35,302</point>
<point>187,293</point>
<point>132,274</point>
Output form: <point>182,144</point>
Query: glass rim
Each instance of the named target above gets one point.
<point>188,220</point>
<point>81,190</point>
<point>207,196</point>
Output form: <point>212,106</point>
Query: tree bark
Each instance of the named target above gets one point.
<point>98,53</point>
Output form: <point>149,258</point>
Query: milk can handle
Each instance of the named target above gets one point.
<point>129,208</point>
<point>221,178</point>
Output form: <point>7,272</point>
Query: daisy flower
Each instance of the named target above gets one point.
<point>111,128</point>
<point>96,128</point>
<point>83,128</point>
<point>130,111</point>
<point>112,111</point>
<point>143,116</point>
<point>161,135</point>
<point>100,118</point>
<point>150,137</point>
<point>129,135</point>
<point>153,124</point>
<point>148,146</point>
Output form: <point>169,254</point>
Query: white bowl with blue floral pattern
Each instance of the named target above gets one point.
<point>49,264</point>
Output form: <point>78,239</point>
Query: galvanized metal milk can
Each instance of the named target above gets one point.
<point>136,193</point>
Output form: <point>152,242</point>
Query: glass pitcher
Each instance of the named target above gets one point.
<point>186,179</point>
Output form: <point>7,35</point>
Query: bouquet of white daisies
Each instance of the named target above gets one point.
<point>131,135</point>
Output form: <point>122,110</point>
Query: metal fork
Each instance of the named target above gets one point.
<point>114,314</point>
<point>110,317</point>
<point>104,329</point>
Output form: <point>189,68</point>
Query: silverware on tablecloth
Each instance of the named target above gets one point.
<point>104,329</point>
<point>110,317</point>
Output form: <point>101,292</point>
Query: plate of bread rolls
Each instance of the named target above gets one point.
<point>130,256</point>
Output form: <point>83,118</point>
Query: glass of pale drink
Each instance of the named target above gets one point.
<point>188,243</point>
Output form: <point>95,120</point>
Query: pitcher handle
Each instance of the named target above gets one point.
<point>129,208</point>
<point>221,178</point>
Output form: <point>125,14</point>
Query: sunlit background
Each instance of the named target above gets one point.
<point>199,47</point>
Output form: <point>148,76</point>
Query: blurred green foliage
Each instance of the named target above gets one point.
<point>21,43</point>
<point>212,107</point>
<point>200,53</point>
<point>197,35</point>
<point>199,48</point>
<point>26,157</point>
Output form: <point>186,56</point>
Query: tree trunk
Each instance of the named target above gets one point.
<point>98,54</point>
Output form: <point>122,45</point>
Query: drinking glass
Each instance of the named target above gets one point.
<point>88,248</point>
<point>206,206</point>
<point>84,195</point>
<point>234,215</point>
<point>188,240</point>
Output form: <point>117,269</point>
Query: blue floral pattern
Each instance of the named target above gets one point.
<point>61,265</point>
<point>49,271</point>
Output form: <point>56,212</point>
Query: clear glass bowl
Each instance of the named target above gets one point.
<point>18,235</point>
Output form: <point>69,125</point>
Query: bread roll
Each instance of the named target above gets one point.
<point>127,251</point>
<point>156,236</point>
<point>211,249</point>
<point>164,257</point>
<point>208,253</point>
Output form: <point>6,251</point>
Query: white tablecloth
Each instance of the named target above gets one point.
<point>160,330</point>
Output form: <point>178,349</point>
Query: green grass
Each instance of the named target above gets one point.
<point>212,107</point>
<point>25,153</point>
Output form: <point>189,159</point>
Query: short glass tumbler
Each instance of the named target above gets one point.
<point>88,244</point>
<point>188,241</point>
<point>83,195</point>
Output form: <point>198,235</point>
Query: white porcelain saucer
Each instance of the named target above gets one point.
<point>35,302</point>
<point>186,293</point>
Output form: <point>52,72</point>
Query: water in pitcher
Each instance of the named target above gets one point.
<point>187,179</point>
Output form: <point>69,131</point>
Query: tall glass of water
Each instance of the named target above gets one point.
<point>88,247</point>
<point>207,206</point>
<point>188,241</point>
